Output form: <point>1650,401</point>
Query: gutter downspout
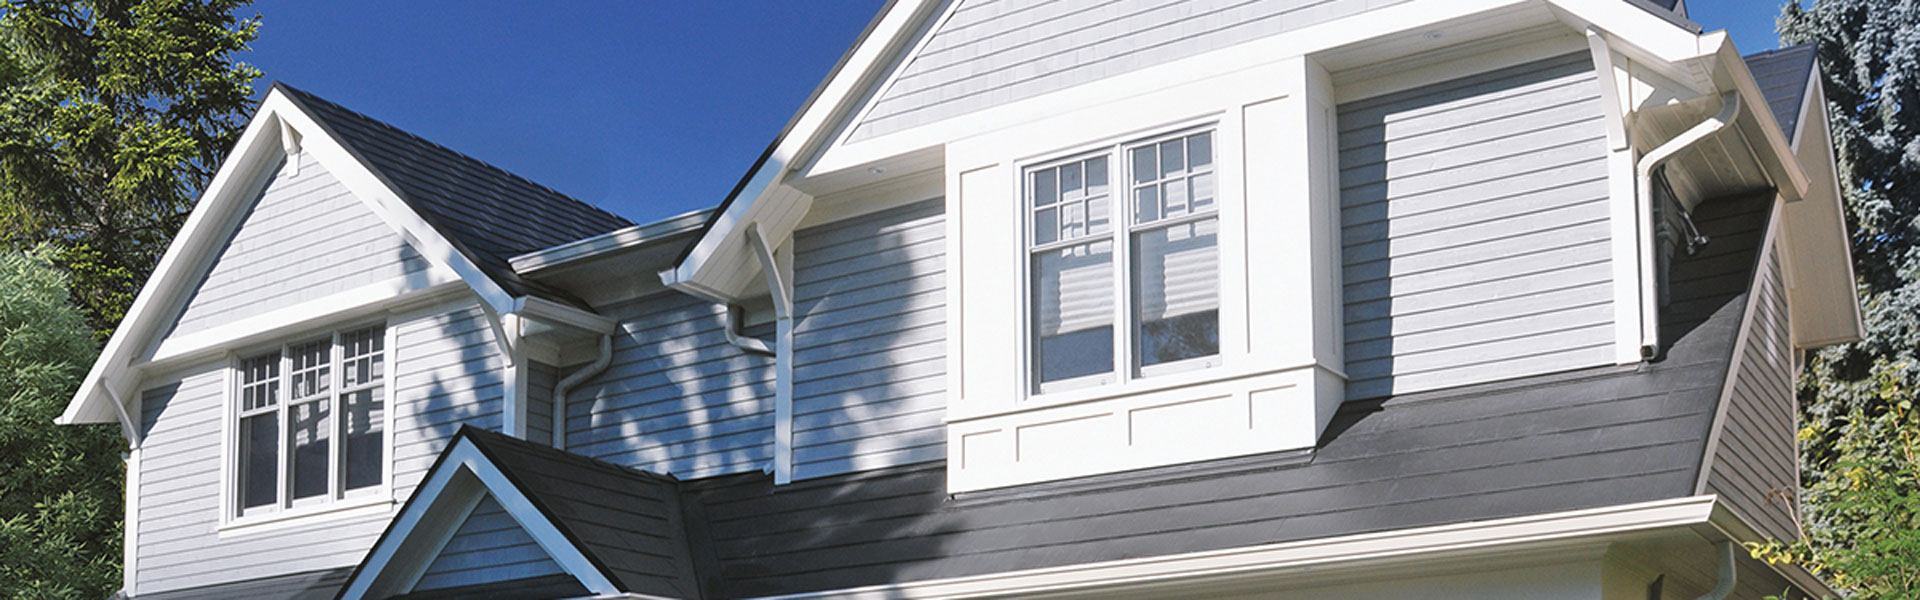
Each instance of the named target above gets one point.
<point>780,289</point>
<point>736,323</point>
<point>1729,574</point>
<point>576,378</point>
<point>1643,192</point>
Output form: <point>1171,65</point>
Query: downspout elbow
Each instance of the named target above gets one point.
<point>575,378</point>
<point>736,324</point>
<point>1729,574</point>
<point>1644,170</point>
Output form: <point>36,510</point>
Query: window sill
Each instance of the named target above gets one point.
<point>1191,374</point>
<point>369,505</point>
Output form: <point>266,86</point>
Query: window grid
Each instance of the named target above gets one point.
<point>322,378</point>
<point>1171,194</point>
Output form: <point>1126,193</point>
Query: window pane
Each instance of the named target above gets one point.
<point>366,418</point>
<point>309,430</point>
<point>1099,214</point>
<point>1046,226</point>
<point>1073,311</point>
<point>1200,149</point>
<point>362,355</point>
<point>1070,183</point>
<point>1045,187</point>
<point>1145,165</point>
<point>1073,220</point>
<point>1172,157</point>
<point>1175,193</point>
<point>1202,186</point>
<point>259,460</point>
<point>1146,204</point>
<point>1096,175</point>
<point>1176,293</point>
<point>312,369</point>
<point>260,382</point>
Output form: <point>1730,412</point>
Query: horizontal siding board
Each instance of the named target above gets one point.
<point>991,53</point>
<point>1476,236</point>
<point>676,398</point>
<point>1754,467</point>
<point>488,547</point>
<point>869,340</point>
<point>305,237</point>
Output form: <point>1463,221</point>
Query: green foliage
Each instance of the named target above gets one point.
<point>113,114</point>
<point>60,499</point>
<point>1860,477</point>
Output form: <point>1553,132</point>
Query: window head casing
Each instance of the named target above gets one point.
<point>1169,286</point>
<point>310,422</point>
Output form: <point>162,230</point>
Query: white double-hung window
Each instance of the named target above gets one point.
<point>1157,272</point>
<point>310,421</point>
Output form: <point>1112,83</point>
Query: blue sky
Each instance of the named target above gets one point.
<point>648,109</point>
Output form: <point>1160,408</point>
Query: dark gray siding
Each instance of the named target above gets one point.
<point>677,398</point>
<point>540,380</point>
<point>1753,467</point>
<point>993,52</point>
<point>869,341</point>
<point>488,547</point>
<point>448,373</point>
<point>178,542</point>
<point>306,237</point>
<point>1475,230</point>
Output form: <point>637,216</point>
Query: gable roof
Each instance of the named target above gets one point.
<point>491,215</point>
<point>1783,75</point>
<point>624,523</point>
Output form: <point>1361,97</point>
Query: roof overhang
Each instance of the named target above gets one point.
<point>1821,292</point>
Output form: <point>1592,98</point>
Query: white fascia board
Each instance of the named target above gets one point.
<point>260,144</point>
<point>619,239</point>
<point>548,311</point>
<point>1838,248</point>
<point>840,90</point>
<point>1294,556</point>
<point>279,322</point>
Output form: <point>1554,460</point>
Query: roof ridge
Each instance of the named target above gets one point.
<point>306,95</point>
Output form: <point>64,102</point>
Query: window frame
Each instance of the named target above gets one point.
<point>1126,368</point>
<point>336,498</point>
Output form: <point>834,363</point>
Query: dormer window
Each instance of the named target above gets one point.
<point>310,421</point>
<point>1164,258</point>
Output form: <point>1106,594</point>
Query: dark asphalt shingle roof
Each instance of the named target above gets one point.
<point>1782,76</point>
<point>491,215</point>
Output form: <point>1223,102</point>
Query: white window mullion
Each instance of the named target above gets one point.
<point>1122,275</point>
<point>336,424</point>
<point>284,417</point>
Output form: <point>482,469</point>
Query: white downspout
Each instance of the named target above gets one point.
<point>780,289</point>
<point>576,378</point>
<point>1729,574</point>
<point>1643,191</point>
<point>736,322</point>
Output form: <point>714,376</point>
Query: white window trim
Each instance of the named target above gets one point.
<point>1124,376</point>
<point>341,504</point>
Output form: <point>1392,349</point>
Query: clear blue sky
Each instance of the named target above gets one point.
<point>648,109</point>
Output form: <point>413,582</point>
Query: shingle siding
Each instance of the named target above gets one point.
<point>994,52</point>
<point>869,341</point>
<point>677,397</point>
<point>1475,230</point>
<point>305,237</point>
<point>488,547</point>
<point>1754,465</point>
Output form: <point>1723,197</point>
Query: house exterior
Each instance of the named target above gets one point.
<point>1188,298</point>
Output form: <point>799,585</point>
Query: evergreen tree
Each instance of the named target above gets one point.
<point>1861,435</point>
<point>113,115</point>
<point>60,499</point>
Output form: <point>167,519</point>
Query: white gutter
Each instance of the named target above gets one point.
<point>576,378</point>
<point>1643,192</point>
